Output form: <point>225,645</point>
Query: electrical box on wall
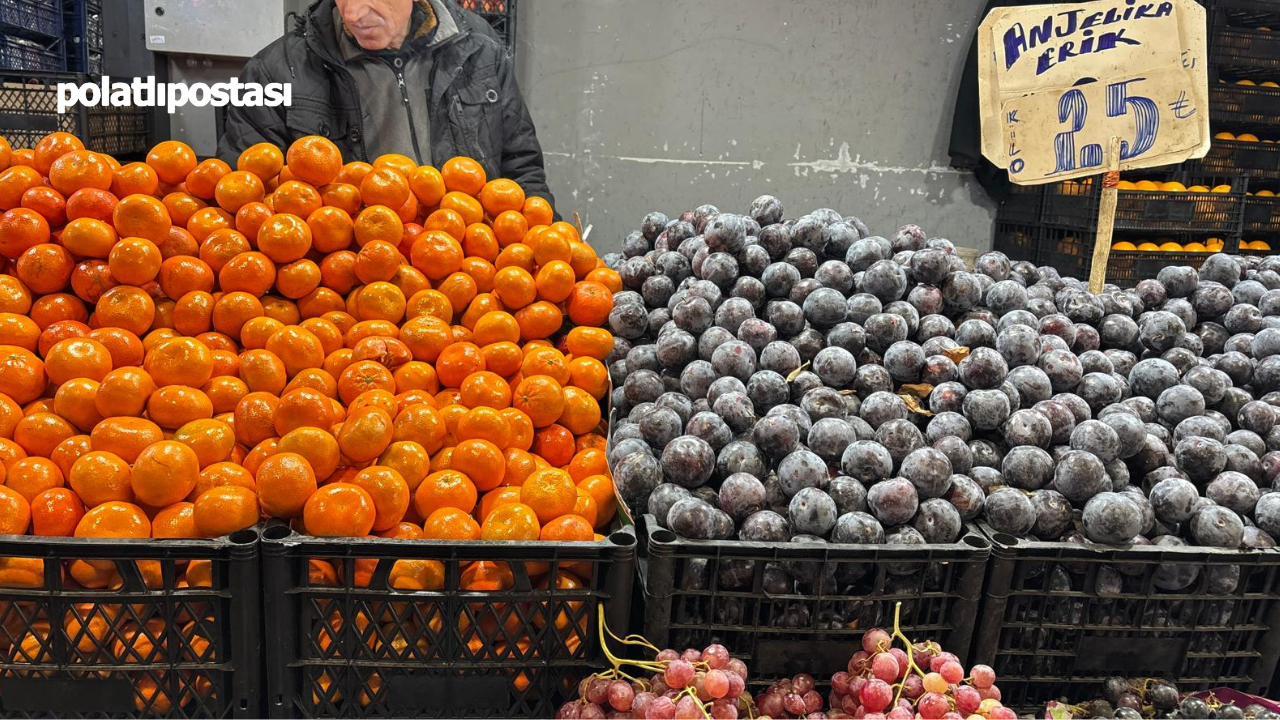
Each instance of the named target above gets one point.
<point>228,28</point>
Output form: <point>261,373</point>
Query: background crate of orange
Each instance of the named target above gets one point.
<point>175,632</point>
<point>29,110</point>
<point>509,631</point>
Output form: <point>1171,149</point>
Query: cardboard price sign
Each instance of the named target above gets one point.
<point>1058,82</point>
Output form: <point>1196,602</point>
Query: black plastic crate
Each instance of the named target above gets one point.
<point>1070,204</point>
<point>29,111</point>
<point>500,14</point>
<point>31,18</point>
<point>147,644</point>
<point>1261,214</point>
<point>83,22</point>
<point>1046,641</point>
<point>702,591</point>
<point>1232,105</point>
<point>1022,205</point>
<point>1256,159</point>
<point>1184,212</point>
<point>347,643</point>
<point>1020,241</point>
<point>1071,252</point>
<point>1076,206</point>
<point>1236,44</point>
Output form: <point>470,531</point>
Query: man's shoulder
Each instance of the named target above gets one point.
<point>481,32</point>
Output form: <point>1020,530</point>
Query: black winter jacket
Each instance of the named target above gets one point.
<point>475,105</point>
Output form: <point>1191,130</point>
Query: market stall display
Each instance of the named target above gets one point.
<point>731,410</point>
<point>349,350</point>
<point>1131,699</point>
<point>300,436</point>
<point>796,387</point>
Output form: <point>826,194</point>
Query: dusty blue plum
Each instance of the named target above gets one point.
<point>812,512</point>
<point>858,528</point>
<point>867,461</point>
<point>802,469</point>
<point>1217,526</point>
<point>928,470</point>
<point>1010,511</point>
<point>894,501</point>
<point>1111,518</point>
<point>938,521</point>
<point>966,496</point>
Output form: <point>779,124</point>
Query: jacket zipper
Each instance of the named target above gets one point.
<point>408,109</point>
<point>334,65</point>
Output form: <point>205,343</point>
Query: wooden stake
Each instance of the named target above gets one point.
<point>1106,219</point>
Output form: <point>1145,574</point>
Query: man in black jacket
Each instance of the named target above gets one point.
<point>424,78</point>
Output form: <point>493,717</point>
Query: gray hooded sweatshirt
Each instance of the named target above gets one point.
<point>393,106</point>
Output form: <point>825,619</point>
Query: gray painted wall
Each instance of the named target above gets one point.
<point>666,104</point>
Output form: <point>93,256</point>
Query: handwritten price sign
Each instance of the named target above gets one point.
<point>1057,83</point>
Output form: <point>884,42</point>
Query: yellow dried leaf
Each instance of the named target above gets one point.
<point>920,390</point>
<point>796,373</point>
<point>956,354</point>
<point>913,404</point>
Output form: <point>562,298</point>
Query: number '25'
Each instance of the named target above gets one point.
<point>1073,108</point>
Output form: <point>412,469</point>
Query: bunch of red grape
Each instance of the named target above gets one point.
<point>882,683</point>
<point>691,684</point>
<point>794,698</point>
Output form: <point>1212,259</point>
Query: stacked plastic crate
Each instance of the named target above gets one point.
<point>82,22</point>
<point>1177,215</point>
<point>1244,92</point>
<point>47,42</point>
<point>31,35</point>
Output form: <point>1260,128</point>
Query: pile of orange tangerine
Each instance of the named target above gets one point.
<point>187,348</point>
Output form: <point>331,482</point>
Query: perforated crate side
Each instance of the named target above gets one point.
<point>1022,205</point>
<point>1233,157</point>
<point>1261,215</point>
<point>1019,241</point>
<point>24,54</point>
<point>41,19</point>
<point>117,131</point>
<point>699,591</point>
<point>144,644</point>
<point>1071,253</point>
<point>1071,204</point>
<point>1235,105</point>
<point>1180,212</point>
<point>1128,268</point>
<point>29,111</point>
<point>1075,206</point>
<point>351,644</point>
<point>1058,618</point>
<point>1247,47</point>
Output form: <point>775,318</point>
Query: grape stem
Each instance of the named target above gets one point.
<point>911,663</point>
<point>652,666</point>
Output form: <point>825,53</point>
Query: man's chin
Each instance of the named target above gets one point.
<point>372,44</point>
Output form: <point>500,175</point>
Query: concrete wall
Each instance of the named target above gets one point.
<point>666,104</point>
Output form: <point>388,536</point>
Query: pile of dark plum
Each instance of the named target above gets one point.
<point>800,380</point>
<point>1126,699</point>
